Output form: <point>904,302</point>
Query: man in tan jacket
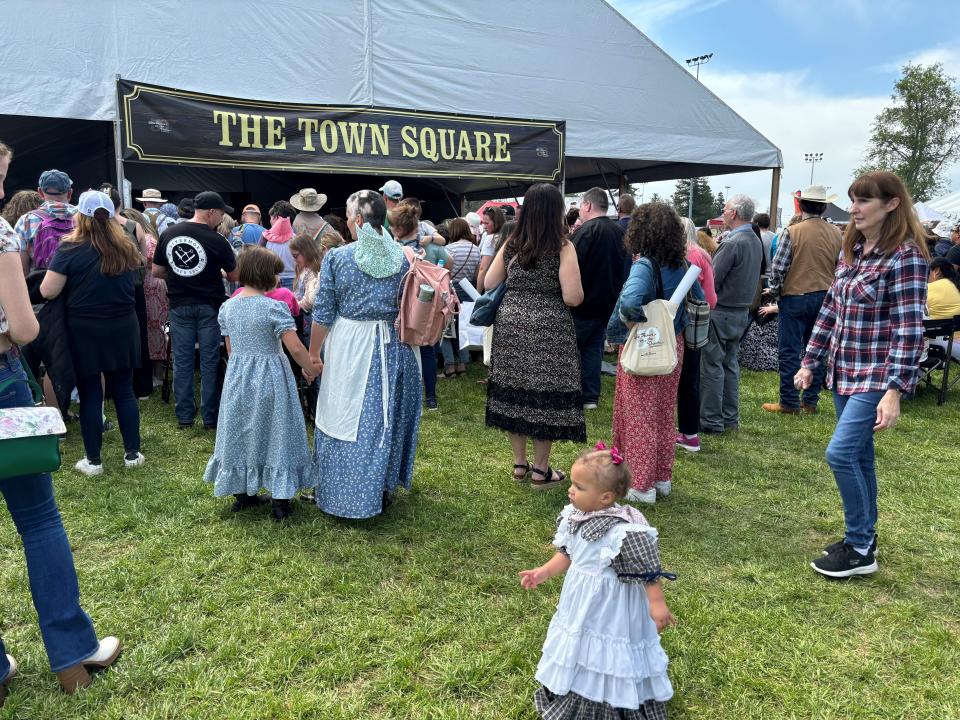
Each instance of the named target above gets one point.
<point>802,272</point>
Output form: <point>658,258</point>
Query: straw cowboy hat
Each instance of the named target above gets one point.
<point>151,195</point>
<point>308,200</point>
<point>817,193</point>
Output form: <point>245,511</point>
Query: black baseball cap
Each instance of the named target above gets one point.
<point>953,255</point>
<point>209,200</point>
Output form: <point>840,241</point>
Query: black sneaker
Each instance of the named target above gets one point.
<point>245,502</point>
<point>837,545</point>
<point>281,510</point>
<point>846,562</point>
<point>184,426</point>
<point>431,403</point>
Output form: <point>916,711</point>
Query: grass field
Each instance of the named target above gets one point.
<point>419,613</point>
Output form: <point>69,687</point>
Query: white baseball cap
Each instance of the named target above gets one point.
<point>93,200</point>
<point>392,189</point>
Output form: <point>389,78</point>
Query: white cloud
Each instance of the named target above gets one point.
<point>948,55</point>
<point>647,14</point>
<point>798,118</point>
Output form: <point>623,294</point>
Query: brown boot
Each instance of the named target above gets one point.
<point>78,676</point>
<point>778,408</point>
<point>808,409</point>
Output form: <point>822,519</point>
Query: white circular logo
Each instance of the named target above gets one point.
<point>185,256</point>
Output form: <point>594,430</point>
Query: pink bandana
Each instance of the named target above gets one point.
<point>280,232</point>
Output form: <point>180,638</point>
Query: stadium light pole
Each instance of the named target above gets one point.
<point>695,62</point>
<point>813,159</point>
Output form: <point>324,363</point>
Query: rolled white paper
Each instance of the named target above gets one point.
<point>693,272</point>
<point>470,290</point>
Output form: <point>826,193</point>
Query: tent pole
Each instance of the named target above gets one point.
<point>774,196</point>
<point>118,151</point>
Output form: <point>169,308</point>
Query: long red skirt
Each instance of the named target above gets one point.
<point>643,422</point>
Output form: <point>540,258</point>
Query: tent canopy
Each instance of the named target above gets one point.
<point>925,213</point>
<point>629,107</point>
<point>949,205</point>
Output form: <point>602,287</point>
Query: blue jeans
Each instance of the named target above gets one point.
<point>449,356</point>
<point>850,455</point>
<point>120,385</point>
<point>798,314</point>
<point>428,361</point>
<point>192,325</point>
<point>590,336</point>
<point>67,632</point>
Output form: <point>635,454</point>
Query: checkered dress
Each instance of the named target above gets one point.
<point>870,328</point>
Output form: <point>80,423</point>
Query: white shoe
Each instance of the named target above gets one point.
<point>136,462</point>
<point>13,670</point>
<point>105,654</point>
<point>88,468</point>
<point>663,488</point>
<point>649,496</point>
<point>589,406</point>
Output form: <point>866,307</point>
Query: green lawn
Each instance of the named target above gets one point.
<point>419,613</point>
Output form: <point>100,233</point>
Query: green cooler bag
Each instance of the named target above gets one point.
<point>29,440</point>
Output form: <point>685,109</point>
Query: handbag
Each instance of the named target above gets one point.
<point>651,345</point>
<point>697,332</point>
<point>485,307</point>
<point>29,436</point>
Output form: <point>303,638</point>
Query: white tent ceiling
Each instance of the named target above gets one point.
<point>625,101</point>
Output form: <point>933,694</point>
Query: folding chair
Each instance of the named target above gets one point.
<point>939,355</point>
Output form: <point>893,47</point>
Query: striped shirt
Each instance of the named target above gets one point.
<point>464,261</point>
<point>870,327</point>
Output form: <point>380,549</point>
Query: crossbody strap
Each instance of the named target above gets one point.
<point>31,381</point>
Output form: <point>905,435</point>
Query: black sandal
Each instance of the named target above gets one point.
<point>556,478</point>
<point>526,472</point>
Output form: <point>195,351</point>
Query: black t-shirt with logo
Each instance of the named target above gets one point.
<point>194,255</point>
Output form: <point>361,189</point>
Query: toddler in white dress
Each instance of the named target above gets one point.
<point>602,656</point>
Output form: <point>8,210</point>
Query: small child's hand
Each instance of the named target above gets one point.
<point>529,579</point>
<point>661,615</point>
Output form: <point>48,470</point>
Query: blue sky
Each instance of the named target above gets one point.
<point>809,74</point>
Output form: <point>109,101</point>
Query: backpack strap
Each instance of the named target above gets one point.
<point>316,236</point>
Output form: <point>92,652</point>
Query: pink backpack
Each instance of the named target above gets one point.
<point>421,321</point>
<point>47,237</point>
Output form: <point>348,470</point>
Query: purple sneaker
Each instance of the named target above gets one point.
<point>690,444</point>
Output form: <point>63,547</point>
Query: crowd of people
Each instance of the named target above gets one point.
<point>311,313</point>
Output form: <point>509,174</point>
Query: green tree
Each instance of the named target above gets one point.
<point>718,204</point>
<point>918,137</point>
<point>655,198</point>
<point>703,200</point>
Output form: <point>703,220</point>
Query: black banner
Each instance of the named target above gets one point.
<point>162,125</point>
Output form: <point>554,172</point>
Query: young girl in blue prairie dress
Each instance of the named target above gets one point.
<point>602,657</point>
<point>261,435</point>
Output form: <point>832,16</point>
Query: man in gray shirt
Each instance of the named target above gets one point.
<point>737,265</point>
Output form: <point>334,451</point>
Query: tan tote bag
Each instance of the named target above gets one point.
<point>651,346</point>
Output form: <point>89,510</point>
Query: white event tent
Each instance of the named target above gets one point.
<point>632,113</point>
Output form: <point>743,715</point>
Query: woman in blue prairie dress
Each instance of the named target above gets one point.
<point>368,412</point>
<point>261,435</point>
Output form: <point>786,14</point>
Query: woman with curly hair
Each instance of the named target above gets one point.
<point>643,426</point>
<point>22,202</point>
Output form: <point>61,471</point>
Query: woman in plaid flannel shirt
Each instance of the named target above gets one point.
<point>870,335</point>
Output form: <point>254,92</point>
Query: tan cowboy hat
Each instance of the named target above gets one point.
<point>308,200</point>
<point>151,195</point>
<point>817,193</point>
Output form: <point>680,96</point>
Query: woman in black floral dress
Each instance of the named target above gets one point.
<point>534,388</point>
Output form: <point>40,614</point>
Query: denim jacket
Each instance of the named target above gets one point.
<point>639,289</point>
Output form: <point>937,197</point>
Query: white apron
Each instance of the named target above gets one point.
<point>348,356</point>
